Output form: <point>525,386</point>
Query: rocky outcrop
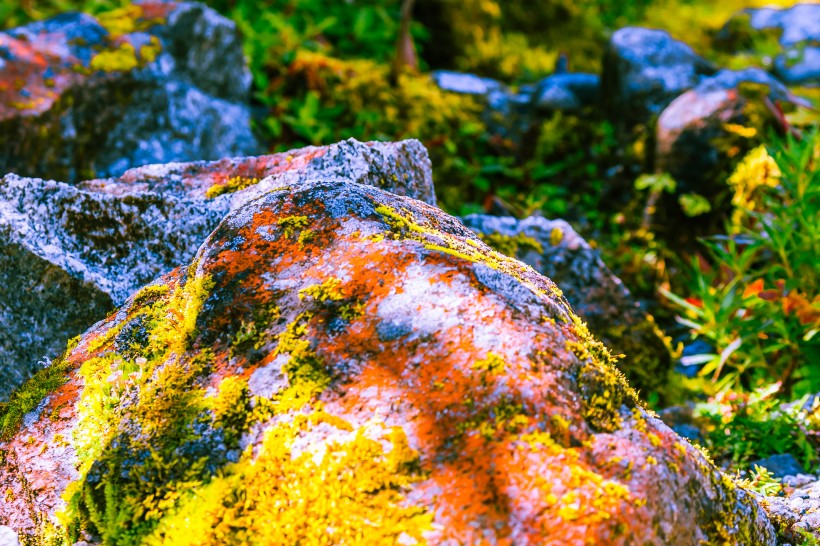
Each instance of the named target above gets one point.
<point>337,356</point>
<point>556,251</point>
<point>155,82</point>
<point>76,251</point>
<point>644,70</point>
<point>689,130</point>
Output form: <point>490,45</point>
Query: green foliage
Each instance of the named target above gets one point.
<point>694,204</point>
<point>742,428</point>
<point>757,301</point>
<point>763,482</point>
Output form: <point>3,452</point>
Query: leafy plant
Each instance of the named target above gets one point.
<point>757,300</point>
<point>743,427</point>
<point>763,481</point>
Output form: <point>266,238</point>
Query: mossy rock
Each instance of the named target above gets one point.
<point>389,379</point>
<point>154,82</point>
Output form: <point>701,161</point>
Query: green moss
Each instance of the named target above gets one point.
<point>305,370</point>
<point>128,479</point>
<point>28,396</point>
<point>149,294</point>
<point>603,387</point>
<point>505,416</point>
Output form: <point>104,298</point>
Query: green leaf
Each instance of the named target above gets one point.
<point>656,182</point>
<point>694,204</point>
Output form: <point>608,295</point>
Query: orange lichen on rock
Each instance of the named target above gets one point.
<point>390,380</point>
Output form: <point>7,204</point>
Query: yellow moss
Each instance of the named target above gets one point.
<point>330,289</point>
<point>126,20</point>
<point>292,224</point>
<point>150,52</point>
<point>167,402</point>
<point>306,237</point>
<point>556,236</point>
<point>405,226</point>
<point>493,364</point>
<point>608,497</point>
<point>233,184</point>
<point>122,59</point>
<point>352,495</point>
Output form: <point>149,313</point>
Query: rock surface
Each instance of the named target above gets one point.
<point>644,70</point>
<point>374,355</point>
<point>8,537</point>
<point>797,512</point>
<point>689,127</point>
<point>150,83</point>
<point>780,466</point>
<point>76,251</point>
<point>556,251</point>
<point>569,92</point>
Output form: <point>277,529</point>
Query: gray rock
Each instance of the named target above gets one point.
<point>468,84</point>
<point>567,92</point>
<point>799,480</point>
<point>556,251</point>
<point>799,66</point>
<point>799,36</point>
<point>644,70</point>
<point>780,465</point>
<point>796,513</point>
<point>96,101</point>
<point>69,254</point>
<point>799,23</point>
<point>689,126</point>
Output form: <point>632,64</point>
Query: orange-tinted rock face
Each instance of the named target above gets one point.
<point>343,365</point>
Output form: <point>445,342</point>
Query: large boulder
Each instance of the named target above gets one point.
<point>69,254</point>
<point>154,82</point>
<point>644,70</point>
<point>341,364</point>
<point>600,298</point>
<point>693,137</point>
<point>798,30</point>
